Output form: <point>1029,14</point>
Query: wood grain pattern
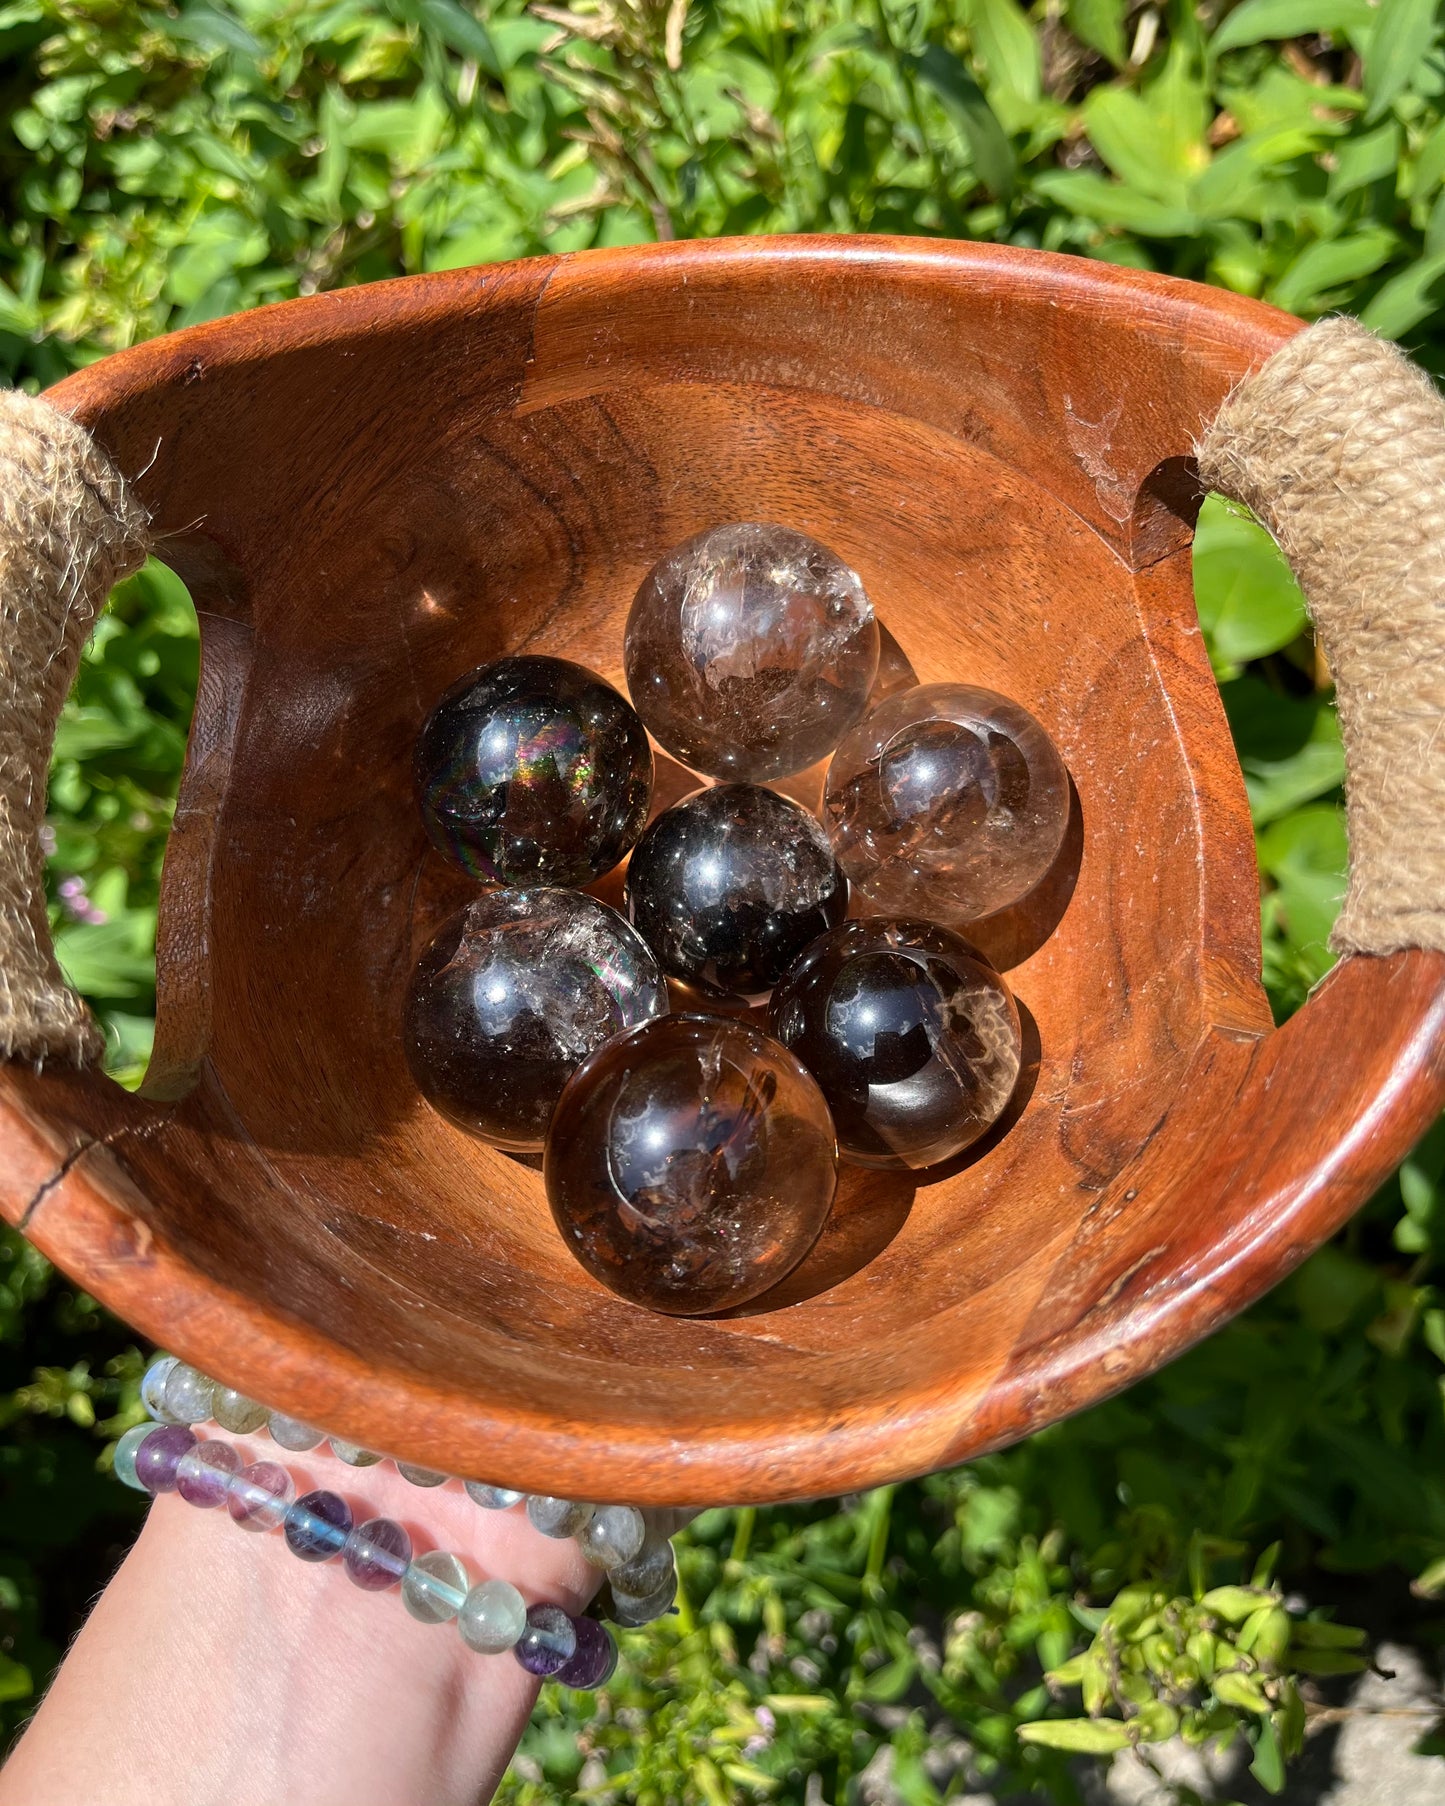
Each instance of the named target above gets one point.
<point>372,491</point>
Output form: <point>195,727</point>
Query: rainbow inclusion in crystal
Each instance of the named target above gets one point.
<point>534,771</point>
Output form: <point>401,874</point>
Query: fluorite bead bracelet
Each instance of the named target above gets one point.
<point>166,1455</point>
<point>492,1616</point>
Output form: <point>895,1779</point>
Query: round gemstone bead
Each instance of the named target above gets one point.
<point>631,1609</point>
<point>493,1498</point>
<point>376,1554</point>
<point>317,1526</point>
<point>434,1587</point>
<point>557,1517</point>
<point>549,1641</point>
<point>188,1395</point>
<point>159,1455</point>
<point>594,1658</point>
<point>750,650</point>
<point>691,1164</point>
<point>730,885</point>
<point>260,1496</point>
<point>353,1454</point>
<point>492,1617</point>
<point>652,1567</point>
<point>123,1460</point>
<point>912,1036</point>
<point>533,770</point>
<point>292,1434</point>
<point>153,1387</point>
<point>947,802</point>
<point>204,1473</point>
<point>511,995</point>
<point>613,1536</point>
<point>420,1476</point>
<point>235,1412</point>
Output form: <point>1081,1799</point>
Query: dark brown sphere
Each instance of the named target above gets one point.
<point>690,1164</point>
<point>533,771</point>
<point>510,997</point>
<point>728,886</point>
<point>911,1034</point>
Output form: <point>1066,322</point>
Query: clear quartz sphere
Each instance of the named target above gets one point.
<point>946,802</point>
<point>691,1164</point>
<point>510,997</point>
<point>434,1587</point>
<point>750,651</point>
<point>235,1412</point>
<point>493,1616</point>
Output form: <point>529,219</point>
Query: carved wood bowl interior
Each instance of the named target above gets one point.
<point>372,491</point>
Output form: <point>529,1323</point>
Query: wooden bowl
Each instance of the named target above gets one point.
<point>370,492</point>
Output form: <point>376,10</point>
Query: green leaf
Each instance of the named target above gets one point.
<point>1408,298</point>
<point>1005,41</point>
<point>1371,157</point>
<point>15,1679</point>
<point>1262,21</point>
<point>1305,855</point>
<point>1100,25</point>
<point>1268,1764</point>
<point>1080,1736</point>
<point>1289,747</point>
<point>1330,264</point>
<point>458,29</point>
<point>1083,192</point>
<point>988,143</point>
<point>1396,54</point>
<point>1249,603</point>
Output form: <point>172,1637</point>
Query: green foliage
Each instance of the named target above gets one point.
<point>1094,1588</point>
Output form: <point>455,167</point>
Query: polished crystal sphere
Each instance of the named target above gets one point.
<point>729,886</point>
<point>750,651</point>
<point>534,771</point>
<point>946,802</point>
<point>910,1033</point>
<point>691,1164</point>
<point>514,992</point>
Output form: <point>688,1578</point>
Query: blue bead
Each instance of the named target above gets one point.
<point>317,1526</point>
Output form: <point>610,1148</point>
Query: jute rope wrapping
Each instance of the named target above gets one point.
<point>1338,445</point>
<point>68,532</point>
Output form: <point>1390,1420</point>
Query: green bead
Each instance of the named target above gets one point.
<point>124,1458</point>
<point>434,1587</point>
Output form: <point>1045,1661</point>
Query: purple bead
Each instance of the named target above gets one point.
<point>377,1553</point>
<point>548,1643</point>
<point>317,1526</point>
<point>595,1657</point>
<point>158,1457</point>
<point>203,1476</point>
<point>260,1496</point>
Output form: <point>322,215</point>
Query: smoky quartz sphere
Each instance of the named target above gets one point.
<point>729,886</point>
<point>514,992</point>
<point>750,651</point>
<point>534,771</point>
<point>911,1034</point>
<point>947,802</point>
<point>691,1164</point>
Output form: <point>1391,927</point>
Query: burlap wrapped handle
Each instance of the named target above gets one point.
<point>1337,444</point>
<point>69,531</point>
